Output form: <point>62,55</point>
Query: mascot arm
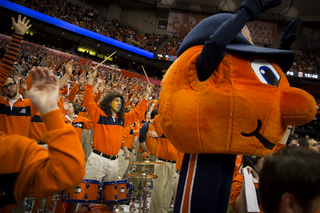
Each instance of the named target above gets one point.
<point>290,35</point>
<point>215,47</point>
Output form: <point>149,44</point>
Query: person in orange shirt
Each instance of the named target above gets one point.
<point>250,164</point>
<point>87,134</point>
<point>31,170</point>
<point>148,139</point>
<point>15,111</point>
<point>79,123</point>
<point>109,122</point>
<point>130,135</point>
<point>37,126</point>
<point>162,186</point>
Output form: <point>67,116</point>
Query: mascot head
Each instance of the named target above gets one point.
<point>244,107</point>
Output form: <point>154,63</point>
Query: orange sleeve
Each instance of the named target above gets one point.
<point>179,161</point>
<point>59,167</point>
<point>73,92</point>
<point>136,129</point>
<point>97,97</point>
<point>133,116</point>
<point>235,191</point>
<point>9,58</point>
<point>87,124</point>
<point>157,126</point>
<point>60,105</point>
<point>90,105</point>
<point>21,91</point>
<point>64,90</point>
<point>126,132</point>
<point>237,165</point>
<point>278,147</point>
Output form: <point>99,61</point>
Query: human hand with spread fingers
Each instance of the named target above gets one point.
<point>45,91</point>
<point>21,27</point>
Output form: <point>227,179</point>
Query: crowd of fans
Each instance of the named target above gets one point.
<point>307,61</point>
<point>92,20</point>
<point>171,48</point>
<point>29,57</point>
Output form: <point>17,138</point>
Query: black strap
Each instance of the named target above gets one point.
<point>105,156</point>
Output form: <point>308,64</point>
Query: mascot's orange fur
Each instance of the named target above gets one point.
<point>209,116</point>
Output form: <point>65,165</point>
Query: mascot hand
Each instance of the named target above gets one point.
<point>290,35</point>
<point>256,7</point>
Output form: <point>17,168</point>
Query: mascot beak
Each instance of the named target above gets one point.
<point>297,106</point>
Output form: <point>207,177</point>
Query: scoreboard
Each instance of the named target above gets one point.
<point>300,74</point>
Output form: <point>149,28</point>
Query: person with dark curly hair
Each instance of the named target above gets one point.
<point>109,122</point>
<point>105,105</point>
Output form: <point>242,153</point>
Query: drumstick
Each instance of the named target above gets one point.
<point>146,75</point>
<point>96,67</point>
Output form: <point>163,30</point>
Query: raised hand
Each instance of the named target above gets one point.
<point>101,87</point>
<point>93,72</point>
<point>45,91</point>
<point>123,86</point>
<point>69,67</point>
<point>23,84</point>
<point>82,79</point>
<point>66,104</point>
<point>256,7</point>
<point>92,75</point>
<point>21,27</point>
<point>100,80</point>
<point>148,92</point>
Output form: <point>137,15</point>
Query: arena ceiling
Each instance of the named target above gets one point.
<point>307,9</point>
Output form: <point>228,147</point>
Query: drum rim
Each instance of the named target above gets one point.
<point>77,201</point>
<point>115,182</point>
<point>90,181</point>
<point>115,201</point>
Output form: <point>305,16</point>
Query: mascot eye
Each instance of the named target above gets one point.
<point>266,73</point>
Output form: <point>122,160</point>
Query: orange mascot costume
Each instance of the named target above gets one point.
<point>224,96</point>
